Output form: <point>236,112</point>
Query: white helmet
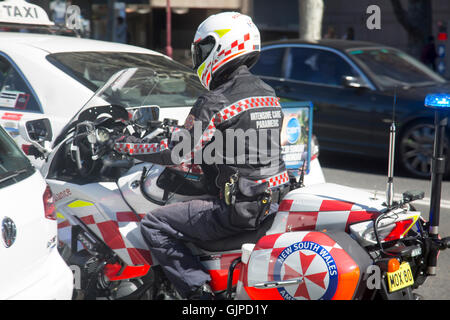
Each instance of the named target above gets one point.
<point>223,42</point>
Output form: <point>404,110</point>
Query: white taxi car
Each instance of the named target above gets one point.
<point>30,264</point>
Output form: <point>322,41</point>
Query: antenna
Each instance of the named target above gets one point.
<point>392,132</point>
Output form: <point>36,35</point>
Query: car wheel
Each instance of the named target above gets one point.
<point>416,148</point>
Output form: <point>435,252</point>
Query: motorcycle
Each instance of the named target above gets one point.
<point>326,241</point>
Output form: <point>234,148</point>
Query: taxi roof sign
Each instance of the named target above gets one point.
<point>22,12</point>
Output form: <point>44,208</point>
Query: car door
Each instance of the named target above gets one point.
<point>342,116</point>
<point>270,65</point>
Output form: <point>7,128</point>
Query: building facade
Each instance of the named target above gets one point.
<point>145,21</point>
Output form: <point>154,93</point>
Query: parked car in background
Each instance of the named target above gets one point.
<point>30,264</point>
<point>352,85</point>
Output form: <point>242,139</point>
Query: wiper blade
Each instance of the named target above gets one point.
<point>12,174</point>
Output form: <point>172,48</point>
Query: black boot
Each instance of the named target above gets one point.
<point>204,292</point>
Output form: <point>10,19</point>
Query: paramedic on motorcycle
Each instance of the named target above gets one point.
<point>225,46</point>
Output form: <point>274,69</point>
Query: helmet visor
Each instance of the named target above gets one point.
<point>200,50</point>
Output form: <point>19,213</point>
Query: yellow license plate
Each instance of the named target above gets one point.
<point>401,278</point>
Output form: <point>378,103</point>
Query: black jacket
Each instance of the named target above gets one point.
<point>242,108</point>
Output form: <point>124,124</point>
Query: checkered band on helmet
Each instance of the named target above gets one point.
<point>220,39</point>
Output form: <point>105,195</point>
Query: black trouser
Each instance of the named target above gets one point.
<point>166,230</point>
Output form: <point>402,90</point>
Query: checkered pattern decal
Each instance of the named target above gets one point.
<point>112,231</point>
<point>276,180</point>
<point>232,51</point>
<point>235,49</point>
<point>228,113</point>
<point>141,148</point>
<point>313,212</point>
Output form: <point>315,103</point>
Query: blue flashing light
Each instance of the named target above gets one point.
<point>438,100</point>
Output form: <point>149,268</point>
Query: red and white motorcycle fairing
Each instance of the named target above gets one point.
<point>325,206</point>
<point>292,249</point>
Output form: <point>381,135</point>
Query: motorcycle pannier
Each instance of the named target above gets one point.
<point>250,202</point>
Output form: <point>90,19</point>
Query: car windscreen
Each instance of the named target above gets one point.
<point>14,166</point>
<point>391,68</point>
<point>177,85</point>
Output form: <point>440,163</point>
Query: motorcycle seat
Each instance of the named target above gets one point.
<point>235,242</point>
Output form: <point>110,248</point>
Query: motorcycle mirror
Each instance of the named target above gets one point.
<point>144,114</point>
<point>409,196</point>
<point>39,134</point>
<point>39,130</point>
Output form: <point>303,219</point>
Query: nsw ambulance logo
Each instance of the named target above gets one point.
<point>314,268</point>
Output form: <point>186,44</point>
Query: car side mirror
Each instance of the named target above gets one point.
<point>39,130</point>
<point>352,82</point>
